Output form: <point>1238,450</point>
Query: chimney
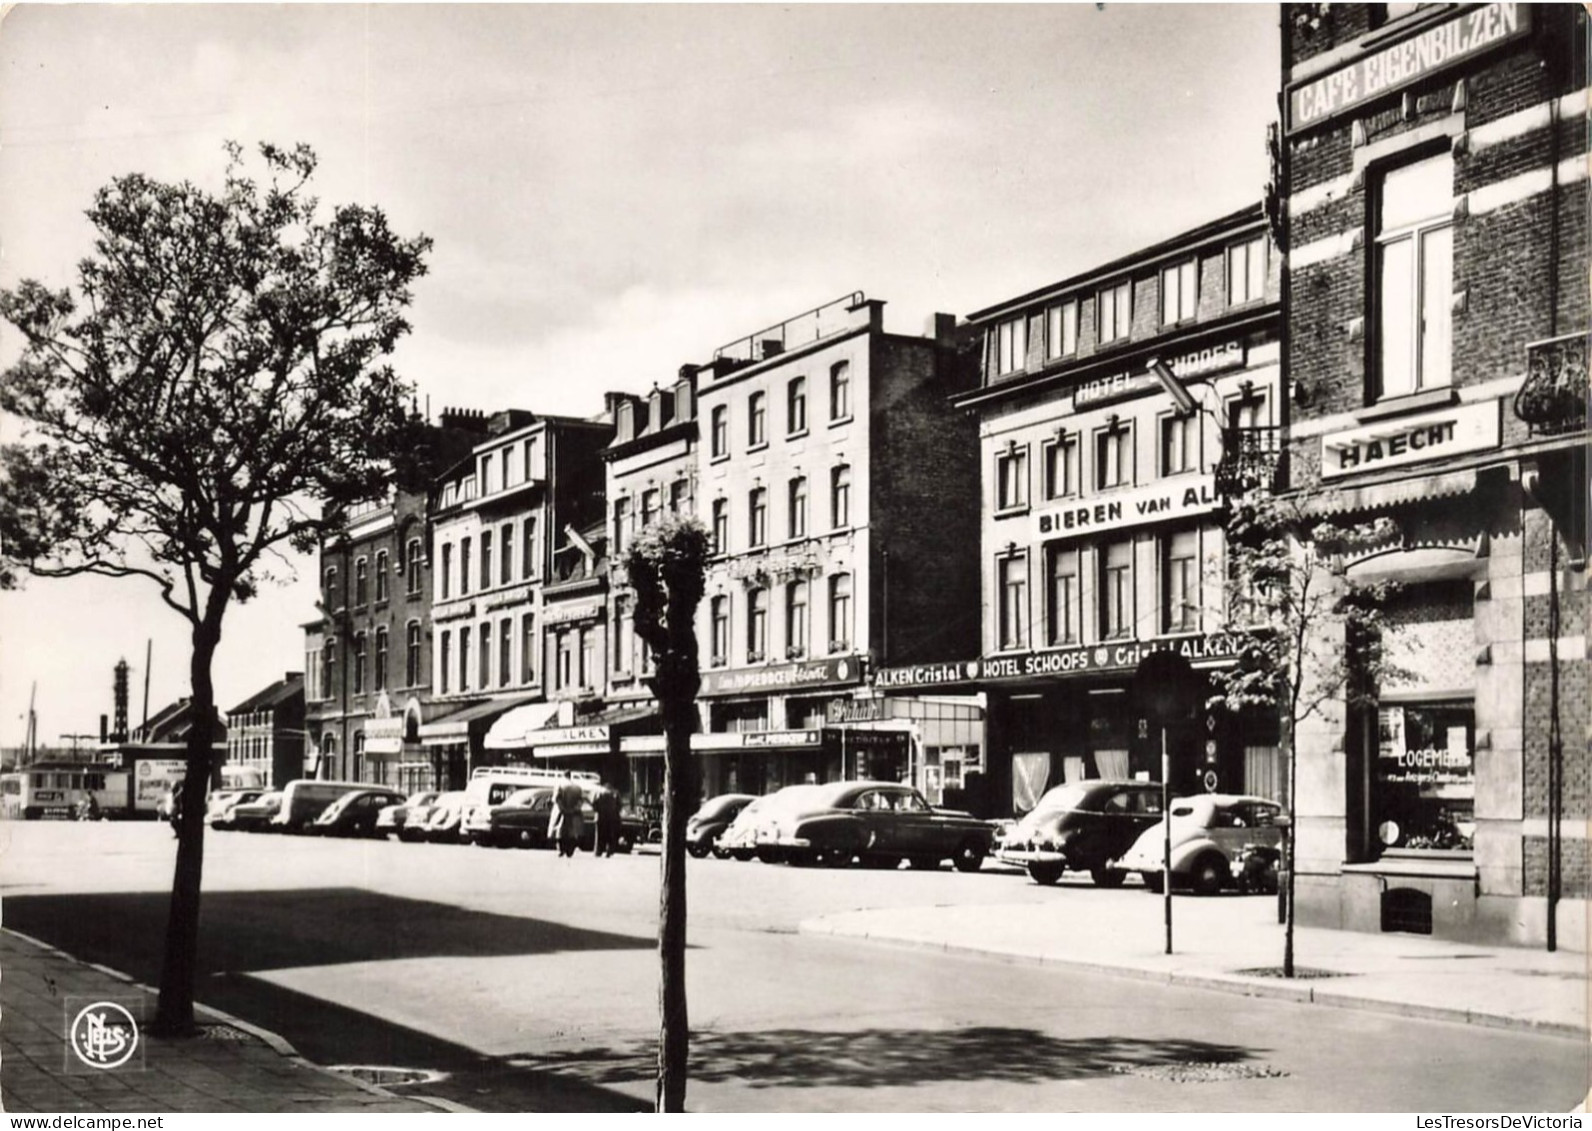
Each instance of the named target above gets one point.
<point>611,403</point>
<point>942,328</point>
<point>770,347</point>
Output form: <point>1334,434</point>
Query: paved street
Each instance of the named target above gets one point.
<point>531,981</point>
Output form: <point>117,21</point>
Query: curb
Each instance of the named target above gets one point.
<point>274,1041</point>
<point>1275,989</point>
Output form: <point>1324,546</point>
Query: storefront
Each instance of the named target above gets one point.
<point>455,744</point>
<point>763,761</point>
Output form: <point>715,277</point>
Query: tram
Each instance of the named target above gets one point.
<point>56,789</point>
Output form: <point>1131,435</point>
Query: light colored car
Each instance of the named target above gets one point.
<point>765,831</point>
<point>738,841</point>
<point>218,809</point>
<point>442,823</point>
<point>255,816</point>
<point>395,818</point>
<point>709,823</point>
<point>1210,833</point>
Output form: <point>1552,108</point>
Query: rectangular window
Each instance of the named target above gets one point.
<point>621,520</point>
<point>649,506</point>
<point>381,576</point>
<point>720,431</point>
<point>588,656</point>
<point>1180,292</point>
<point>1114,457</point>
<point>1012,603</point>
<point>381,659</point>
<point>464,658</point>
<point>359,663</point>
<point>796,620</point>
<point>506,651</point>
<point>464,566</point>
<point>1116,590</point>
<point>840,496</point>
<point>1246,272</point>
<point>1011,478</point>
<point>486,476</point>
<point>564,674</point>
<point>1061,467</point>
<point>412,654</point>
<point>1064,616</point>
<point>361,582</point>
<point>1180,582</point>
<point>1011,345</point>
<point>527,648</point>
<point>624,635</point>
<point>1415,278</point>
<point>840,390</point>
<point>503,459</point>
<point>719,618</point>
<point>530,460</point>
<point>1061,330</point>
<point>840,612</point>
<point>798,507</point>
<point>444,666</point>
<point>677,496</point>
<point>721,526</point>
<point>757,517</point>
<point>756,625</point>
<point>1179,444</point>
<point>506,552</point>
<point>528,547</point>
<point>412,567</point>
<point>796,405</point>
<point>485,672</point>
<point>1114,312</point>
<point>486,559</point>
<point>756,420</point>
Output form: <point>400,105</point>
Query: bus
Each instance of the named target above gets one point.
<point>56,789</point>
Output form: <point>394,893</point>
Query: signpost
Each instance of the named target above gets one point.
<point>1165,690</point>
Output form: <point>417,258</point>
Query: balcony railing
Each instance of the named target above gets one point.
<point>1251,458</point>
<point>1552,399</point>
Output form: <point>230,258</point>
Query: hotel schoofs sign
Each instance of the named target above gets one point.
<point>1408,61</point>
<point>1196,363</point>
<point>1119,656</point>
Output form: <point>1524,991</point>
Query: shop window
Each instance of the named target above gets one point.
<point>756,420</point>
<point>1012,602</point>
<point>798,507</point>
<point>1011,478</point>
<point>1246,272</point>
<point>796,406</point>
<point>756,625</point>
<point>1011,346</point>
<point>721,526</point>
<point>1114,312</point>
<point>840,391</point>
<point>1423,787</point>
<point>1114,455</point>
<point>1180,443</point>
<point>757,517</point>
<point>1061,466</point>
<point>1061,330</point>
<point>1414,278</point>
<point>1180,292</point>
<point>1180,582</point>
<point>720,431</point>
<point>1116,590</point>
<point>1066,609</point>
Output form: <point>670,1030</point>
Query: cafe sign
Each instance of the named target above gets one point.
<point>925,675</point>
<point>566,614</point>
<point>1122,656</point>
<point>783,677</point>
<point>1162,501</point>
<point>854,710</point>
<point>1402,64</point>
<point>1411,439</point>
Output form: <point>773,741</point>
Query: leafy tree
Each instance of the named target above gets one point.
<point>666,565</point>
<point>219,372</point>
<point>1314,636</point>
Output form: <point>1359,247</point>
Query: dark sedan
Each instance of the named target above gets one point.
<point>354,814</point>
<point>708,823</point>
<point>1082,826</point>
<point>879,823</point>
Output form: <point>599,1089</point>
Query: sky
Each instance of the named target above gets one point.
<point>613,191</point>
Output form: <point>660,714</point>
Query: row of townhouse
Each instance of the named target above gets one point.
<point>1402,320</point>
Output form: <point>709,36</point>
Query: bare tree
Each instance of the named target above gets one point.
<point>1314,636</point>
<point>219,373</point>
<point>666,565</point>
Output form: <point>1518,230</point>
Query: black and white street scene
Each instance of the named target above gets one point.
<point>830,558</point>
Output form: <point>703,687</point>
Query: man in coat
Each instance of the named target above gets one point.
<point>568,820</point>
<point>606,802</point>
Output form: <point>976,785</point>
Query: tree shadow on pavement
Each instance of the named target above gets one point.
<point>804,1058</point>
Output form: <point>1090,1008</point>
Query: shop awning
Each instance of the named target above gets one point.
<point>1381,496</point>
<point>456,729</point>
<point>512,731</point>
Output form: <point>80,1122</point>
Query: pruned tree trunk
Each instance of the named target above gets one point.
<point>674,1037</point>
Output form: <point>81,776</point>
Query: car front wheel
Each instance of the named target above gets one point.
<point>969,857</point>
<point>1107,877</point>
<point>1210,874</point>
<point>1046,872</point>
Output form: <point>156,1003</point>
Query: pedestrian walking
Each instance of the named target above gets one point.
<point>176,809</point>
<point>569,823</point>
<point>606,802</point>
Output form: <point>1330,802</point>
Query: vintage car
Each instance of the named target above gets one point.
<point>739,839</point>
<point>1082,827</point>
<point>443,819</point>
<point>878,823</point>
<point>354,814</point>
<point>1211,836</point>
<point>394,818</point>
<point>708,823</point>
<point>218,809</point>
<point>255,816</point>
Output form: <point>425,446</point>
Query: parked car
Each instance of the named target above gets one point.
<point>739,840</point>
<point>218,810</point>
<point>519,820</point>
<point>879,823</point>
<point>442,822</point>
<point>758,836</point>
<point>306,799</point>
<point>255,816</point>
<point>708,823</point>
<point>1210,835</point>
<point>354,814</point>
<point>1082,826</point>
<point>394,818</point>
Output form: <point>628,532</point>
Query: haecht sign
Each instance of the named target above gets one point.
<point>1412,439</point>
